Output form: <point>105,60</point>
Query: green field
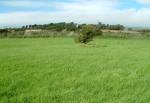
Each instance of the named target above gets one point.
<point>57,70</point>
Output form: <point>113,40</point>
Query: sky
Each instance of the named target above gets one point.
<point>135,13</point>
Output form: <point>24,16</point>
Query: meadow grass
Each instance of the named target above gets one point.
<point>56,70</point>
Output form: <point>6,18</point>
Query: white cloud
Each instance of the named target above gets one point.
<point>89,6</point>
<point>146,2</point>
<point>26,3</point>
<point>81,11</point>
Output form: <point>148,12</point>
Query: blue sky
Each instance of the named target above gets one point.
<point>126,12</point>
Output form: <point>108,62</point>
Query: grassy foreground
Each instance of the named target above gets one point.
<point>60,71</point>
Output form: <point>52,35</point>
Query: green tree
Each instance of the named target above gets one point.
<point>86,33</point>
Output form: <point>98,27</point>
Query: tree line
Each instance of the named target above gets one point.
<point>72,26</point>
<point>51,28</point>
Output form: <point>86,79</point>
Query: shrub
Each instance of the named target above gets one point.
<point>16,33</point>
<point>86,33</point>
<point>98,32</point>
<point>3,33</point>
<point>143,31</point>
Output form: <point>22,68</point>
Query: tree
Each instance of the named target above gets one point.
<point>87,33</point>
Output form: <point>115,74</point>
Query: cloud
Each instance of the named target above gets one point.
<point>93,11</point>
<point>26,3</point>
<point>92,6</point>
<point>130,17</point>
<point>145,2</point>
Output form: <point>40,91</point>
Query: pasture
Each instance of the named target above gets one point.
<point>57,70</point>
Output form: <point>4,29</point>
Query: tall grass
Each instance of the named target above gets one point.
<point>56,70</point>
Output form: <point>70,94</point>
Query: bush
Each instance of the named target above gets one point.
<point>98,32</point>
<point>143,31</point>
<point>17,33</point>
<point>3,33</point>
<point>87,33</point>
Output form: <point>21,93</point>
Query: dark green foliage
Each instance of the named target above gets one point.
<point>110,27</point>
<point>19,33</point>
<point>71,26</point>
<point>12,33</point>
<point>3,33</point>
<point>53,26</point>
<point>98,32</point>
<point>86,33</point>
<point>143,31</point>
<point>3,30</point>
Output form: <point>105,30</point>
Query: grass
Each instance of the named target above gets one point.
<point>60,71</point>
